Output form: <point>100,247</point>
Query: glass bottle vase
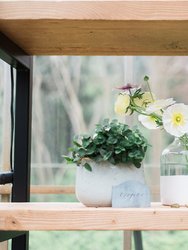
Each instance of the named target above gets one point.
<point>174,174</point>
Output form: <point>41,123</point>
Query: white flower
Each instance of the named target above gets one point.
<point>145,100</point>
<point>159,104</point>
<point>121,104</point>
<point>175,119</point>
<point>148,121</point>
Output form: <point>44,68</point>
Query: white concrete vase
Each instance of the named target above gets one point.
<point>94,189</point>
<point>174,189</point>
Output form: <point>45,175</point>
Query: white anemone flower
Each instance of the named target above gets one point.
<point>175,119</point>
<point>148,121</point>
<point>159,104</point>
<point>121,104</point>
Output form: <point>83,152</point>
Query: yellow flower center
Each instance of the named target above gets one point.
<point>178,119</point>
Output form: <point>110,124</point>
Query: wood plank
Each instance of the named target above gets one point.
<point>75,216</point>
<point>127,240</point>
<point>97,27</point>
<point>58,189</point>
<point>95,10</point>
<point>5,189</point>
<point>4,245</point>
<point>42,189</point>
<point>45,189</point>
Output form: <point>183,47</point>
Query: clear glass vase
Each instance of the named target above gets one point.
<point>174,174</point>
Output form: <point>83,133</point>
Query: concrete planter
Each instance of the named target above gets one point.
<point>94,189</point>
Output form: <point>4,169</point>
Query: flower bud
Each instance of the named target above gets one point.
<point>121,104</point>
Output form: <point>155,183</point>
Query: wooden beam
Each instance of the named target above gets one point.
<point>97,27</point>
<point>5,189</point>
<point>127,240</point>
<point>4,245</point>
<point>57,189</point>
<point>75,216</point>
<point>42,189</point>
<point>47,189</point>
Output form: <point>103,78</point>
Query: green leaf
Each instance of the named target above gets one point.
<point>81,152</point>
<point>91,150</point>
<point>100,139</point>
<point>77,144</point>
<point>97,158</point>
<point>68,159</point>
<point>124,157</point>
<point>112,140</point>
<point>118,150</point>
<point>102,152</point>
<point>107,155</point>
<point>86,142</point>
<point>70,149</point>
<point>112,160</point>
<point>137,164</point>
<point>88,167</point>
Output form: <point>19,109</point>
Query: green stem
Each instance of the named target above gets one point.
<point>148,85</point>
<point>184,141</point>
<point>141,111</point>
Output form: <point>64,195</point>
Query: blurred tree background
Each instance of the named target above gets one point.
<point>70,95</point>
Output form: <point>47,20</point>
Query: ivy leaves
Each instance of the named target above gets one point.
<point>111,141</point>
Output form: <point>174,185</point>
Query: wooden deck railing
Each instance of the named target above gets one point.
<point>57,189</point>
<point>42,189</point>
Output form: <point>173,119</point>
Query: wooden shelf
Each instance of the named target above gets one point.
<point>75,216</point>
<point>97,27</point>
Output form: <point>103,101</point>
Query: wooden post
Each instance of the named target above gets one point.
<point>4,245</point>
<point>127,240</point>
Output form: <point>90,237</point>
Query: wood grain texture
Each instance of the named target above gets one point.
<point>75,216</point>
<point>47,189</point>
<point>5,189</point>
<point>61,189</point>
<point>41,189</point>
<point>4,245</point>
<point>127,240</point>
<point>97,27</point>
<point>94,10</point>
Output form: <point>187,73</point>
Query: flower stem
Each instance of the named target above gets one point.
<point>184,142</point>
<point>146,79</point>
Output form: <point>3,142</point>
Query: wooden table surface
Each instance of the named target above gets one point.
<point>75,216</point>
<point>97,27</point>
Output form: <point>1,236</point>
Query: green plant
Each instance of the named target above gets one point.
<point>111,141</point>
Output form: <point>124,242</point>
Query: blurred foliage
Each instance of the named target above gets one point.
<point>84,240</point>
<point>70,95</point>
<point>111,240</point>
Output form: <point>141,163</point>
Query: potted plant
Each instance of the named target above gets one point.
<point>111,155</point>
